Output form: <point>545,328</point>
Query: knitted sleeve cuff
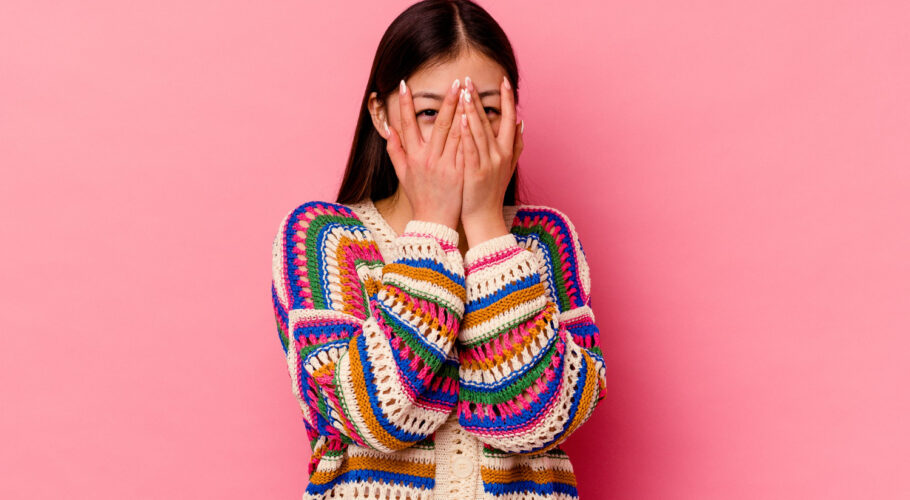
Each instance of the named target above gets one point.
<point>489,248</point>
<point>445,235</point>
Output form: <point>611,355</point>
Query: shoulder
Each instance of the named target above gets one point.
<point>552,233</point>
<point>318,246</point>
<point>318,214</point>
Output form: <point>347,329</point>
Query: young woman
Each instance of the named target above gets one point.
<point>438,334</point>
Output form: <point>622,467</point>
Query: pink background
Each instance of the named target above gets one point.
<point>738,172</point>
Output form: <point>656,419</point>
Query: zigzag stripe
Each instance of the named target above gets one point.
<point>554,233</point>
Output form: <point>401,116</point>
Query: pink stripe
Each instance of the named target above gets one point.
<point>447,246</point>
<point>494,259</point>
<point>479,429</point>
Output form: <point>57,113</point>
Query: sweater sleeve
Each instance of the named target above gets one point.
<point>368,344</point>
<point>531,367</point>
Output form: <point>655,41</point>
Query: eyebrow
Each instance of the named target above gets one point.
<point>437,97</point>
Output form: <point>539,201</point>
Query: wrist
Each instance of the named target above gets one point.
<point>493,249</point>
<point>484,228</point>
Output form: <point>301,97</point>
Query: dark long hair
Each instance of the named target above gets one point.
<point>426,33</point>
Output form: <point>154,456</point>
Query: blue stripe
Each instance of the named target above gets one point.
<point>479,303</point>
<point>548,262</point>
<point>370,475</point>
<point>283,317</point>
<point>549,488</point>
<point>558,220</point>
<point>429,263</point>
<point>372,390</point>
<point>321,265</point>
<point>498,385</point>
<point>394,319</point>
<point>512,423</point>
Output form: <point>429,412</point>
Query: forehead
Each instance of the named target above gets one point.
<point>485,72</point>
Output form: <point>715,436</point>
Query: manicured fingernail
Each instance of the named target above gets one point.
<point>386,125</point>
<point>403,88</point>
<point>506,79</point>
<point>467,96</point>
<point>522,127</point>
<point>469,84</point>
<point>455,85</point>
<point>461,96</point>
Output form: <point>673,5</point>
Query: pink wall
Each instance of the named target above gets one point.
<point>738,172</point>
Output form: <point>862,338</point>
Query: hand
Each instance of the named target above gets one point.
<point>427,171</point>
<point>489,162</point>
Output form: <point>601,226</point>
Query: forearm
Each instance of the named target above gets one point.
<point>527,381</point>
<point>367,353</point>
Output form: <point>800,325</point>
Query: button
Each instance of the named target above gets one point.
<point>462,466</point>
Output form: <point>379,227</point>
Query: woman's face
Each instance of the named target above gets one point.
<point>429,86</point>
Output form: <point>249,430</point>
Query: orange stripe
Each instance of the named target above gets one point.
<point>330,368</point>
<point>349,282</point>
<point>428,319</point>
<point>510,301</point>
<point>428,275</point>
<point>363,401</point>
<point>424,470</point>
<point>516,349</point>
<point>525,473</point>
<point>587,396</point>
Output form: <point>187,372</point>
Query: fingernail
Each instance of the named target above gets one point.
<point>468,83</point>
<point>386,125</point>
<point>506,79</point>
<point>461,96</point>
<point>455,85</point>
<point>403,88</point>
<point>522,127</point>
<point>467,96</point>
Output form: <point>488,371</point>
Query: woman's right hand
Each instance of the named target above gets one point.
<point>427,170</point>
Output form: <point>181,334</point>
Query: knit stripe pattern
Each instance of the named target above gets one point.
<point>381,353</point>
<point>531,367</point>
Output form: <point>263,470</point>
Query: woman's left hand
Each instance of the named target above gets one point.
<point>489,161</point>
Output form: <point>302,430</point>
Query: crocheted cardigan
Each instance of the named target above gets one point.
<point>381,353</point>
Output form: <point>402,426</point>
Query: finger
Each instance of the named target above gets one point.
<point>476,125</point>
<point>396,152</point>
<point>518,144</point>
<point>471,154</point>
<point>409,131</point>
<point>485,126</point>
<point>506,135</point>
<point>459,153</point>
<point>453,140</point>
<point>443,124</point>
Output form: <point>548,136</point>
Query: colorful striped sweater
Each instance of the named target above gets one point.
<point>402,352</point>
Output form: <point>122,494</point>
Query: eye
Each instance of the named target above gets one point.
<point>433,112</point>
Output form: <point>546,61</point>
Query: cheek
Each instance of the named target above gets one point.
<point>426,129</point>
<point>393,117</point>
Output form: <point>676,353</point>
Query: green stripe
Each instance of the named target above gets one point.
<point>552,248</point>
<point>512,390</point>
